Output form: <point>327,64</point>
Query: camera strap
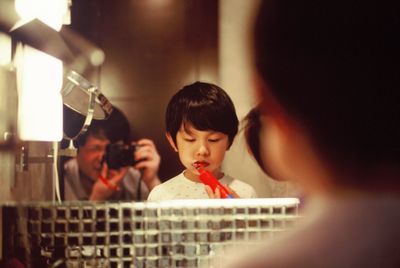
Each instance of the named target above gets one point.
<point>139,188</point>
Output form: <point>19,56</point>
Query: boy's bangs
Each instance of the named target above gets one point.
<point>206,119</point>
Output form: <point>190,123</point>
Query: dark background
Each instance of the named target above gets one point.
<point>153,48</point>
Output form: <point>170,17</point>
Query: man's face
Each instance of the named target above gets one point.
<point>90,156</point>
<point>205,147</point>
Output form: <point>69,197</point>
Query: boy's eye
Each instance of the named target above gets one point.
<point>189,139</point>
<point>214,140</point>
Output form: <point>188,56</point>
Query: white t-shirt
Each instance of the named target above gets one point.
<point>180,187</point>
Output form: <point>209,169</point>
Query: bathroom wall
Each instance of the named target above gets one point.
<point>152,49</point>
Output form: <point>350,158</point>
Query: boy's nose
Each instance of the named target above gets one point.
<point>202,150</point>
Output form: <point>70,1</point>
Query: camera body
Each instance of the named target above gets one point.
<point>120,155</point>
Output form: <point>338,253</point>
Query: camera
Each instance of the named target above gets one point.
<point>120,155</point>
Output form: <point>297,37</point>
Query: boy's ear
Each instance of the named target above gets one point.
<point>171,141</point>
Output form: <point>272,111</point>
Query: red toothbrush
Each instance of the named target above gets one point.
<point>208,178</point>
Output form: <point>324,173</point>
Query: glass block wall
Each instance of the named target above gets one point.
<point>161,234</point>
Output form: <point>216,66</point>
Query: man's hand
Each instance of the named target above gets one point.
<point>105,187</point>
<point>150,162</point>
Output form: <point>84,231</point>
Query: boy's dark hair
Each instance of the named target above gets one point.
<point>114,128</point>
<point>334,67</point>
<point>205,106</point>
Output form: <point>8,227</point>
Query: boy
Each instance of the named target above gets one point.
<point>201,124</point>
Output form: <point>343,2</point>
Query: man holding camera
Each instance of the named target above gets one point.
<point>107,144</point>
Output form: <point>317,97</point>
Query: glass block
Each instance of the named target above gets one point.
<point>140,251</point>
<point>152,224</point>
<point>265,223</point>
<point>145,235</point>
<point>214,237</point>
<point>188,224</point>
<point>126,226</point>
<point>73,227</point>
<point>127,239</point>
<point>101,239</point>
<point>266,210</point>
<point>113,213</point>
<point>189,237</point>
<point>202,237</point>
<point>113,226</point>
<point>164,262</point>
<point>150,263</point>
<point>190,250</point>
<point>151,213</point>
<point>127,251</point>
<point>100,214</point>
<point>87,213</point>
<point>47,227</point>
<point>178,249</point>
<point>152,238</point>
<point>59,240</point>
<point>253,223</point>
<point>87,240</point>
<point>152,251</point>
<point>176,237</point>
<point>115,252</point>
<point>34,213</point>
<point>164,225</point>
<point>127,213</point>
<point>277,210</point>
<point>166,250</point>
<point>47,213</point>
<point>34,227</point>
<point>138,238</point>
<point>176,225</point>
<point>74,213</point>
<point>201,224</point>
<point>138,225</point>
<point>61,213</point>
<point>88,227</point>
<point>114,239</point>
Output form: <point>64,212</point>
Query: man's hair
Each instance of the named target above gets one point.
<point>205,106</point>
<point>96,129</point>
<point>117,127</point>
<point>334,67</point>
<point>114,128</point>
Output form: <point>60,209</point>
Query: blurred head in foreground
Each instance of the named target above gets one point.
<point>328,74</point>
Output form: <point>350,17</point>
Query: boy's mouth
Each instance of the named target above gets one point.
<point>200,164</point>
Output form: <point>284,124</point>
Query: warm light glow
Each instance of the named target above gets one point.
<point>39,78</point>
<point>5,49</point>
<point>51,12</point>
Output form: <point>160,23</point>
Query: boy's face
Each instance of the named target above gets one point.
<point>206,147</point>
